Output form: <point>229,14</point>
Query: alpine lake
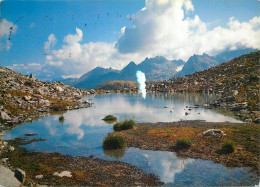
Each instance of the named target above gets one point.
<point>82,132</point>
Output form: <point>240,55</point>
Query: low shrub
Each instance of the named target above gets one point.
<point>110,118</point>
<point>126,124</point>
<point>228,146</point>
<point>183,143</point>
<point>61,119</point>
<point>113,142</point>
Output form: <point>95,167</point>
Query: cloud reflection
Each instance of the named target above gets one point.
<point>133,106</point>
<point>161,163</point>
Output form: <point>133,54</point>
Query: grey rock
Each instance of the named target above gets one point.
<point>60,89</point>
<point>4,160</point>
<point>32,77</point>
<point>11,148</point>
<point>4,116</point>
<point>27,98</point>
<point>7,177</point>
<point>230,98</point>
<point>20,175</point>
<point>213,132</point>
<point>39,176</point>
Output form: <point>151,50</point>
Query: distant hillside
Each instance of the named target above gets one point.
<point>198,63</point>
<point>158,68</point>
<point>117,85</point>
<point>235,82</point>
<point>95,77</point>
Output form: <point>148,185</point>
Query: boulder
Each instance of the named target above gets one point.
<point>230,98</point>
<point>63,174</point>
<point>45,102</point>
<point>60,89</point>
<point>32,77</point>
<point>20,175</point>
<point>27,98</point>
<point>213,132</point>
<point>235,92</point>
<point>39,176</point>
<point>11,148</point>
<point>4,160</point>
<point>4,116</point>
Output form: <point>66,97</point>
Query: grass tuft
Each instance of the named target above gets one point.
<point>114,142</point>
<point>110,118</point>
<point>183,143</point>
<point>61,119</point>
<point>228,146</point>
<point>126,124</point>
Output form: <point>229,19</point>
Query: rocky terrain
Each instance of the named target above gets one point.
<point>23,98</point>
<point>236,83</point>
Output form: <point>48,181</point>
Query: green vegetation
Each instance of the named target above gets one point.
<point>228,146</point>
<point>183,143</point>
<point>110,118</point>
<point>114,142</point>
<point>126,124</point>
<point>61,119</point>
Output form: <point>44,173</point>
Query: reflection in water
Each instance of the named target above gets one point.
<point>149,110</point>
<point>82,132</point>
<point>164,164</point>
<point>118,153</point>
<point>181,171</point>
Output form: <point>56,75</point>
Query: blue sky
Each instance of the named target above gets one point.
<point>113,33</point>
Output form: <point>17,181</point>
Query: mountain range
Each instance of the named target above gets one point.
<point>157,68</point>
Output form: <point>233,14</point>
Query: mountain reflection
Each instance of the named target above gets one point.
<point>156,108</point>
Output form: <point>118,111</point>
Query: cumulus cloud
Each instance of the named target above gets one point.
<point>162,28</point>
<point>84,57</point>
<point>50,43</point>
<point>5,28</point>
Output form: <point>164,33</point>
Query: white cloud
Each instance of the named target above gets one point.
<point>74,38</point>
<point>50,43</point>
<point>160,28</point>
<point>34,68</point>
<point>84,57</point>
<point>71,76</point>
<point>6,30</point>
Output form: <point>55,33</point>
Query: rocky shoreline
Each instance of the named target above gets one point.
<point>36,168</point>
<point>24,98</point>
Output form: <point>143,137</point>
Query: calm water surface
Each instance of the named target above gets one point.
<point>82,132</point>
